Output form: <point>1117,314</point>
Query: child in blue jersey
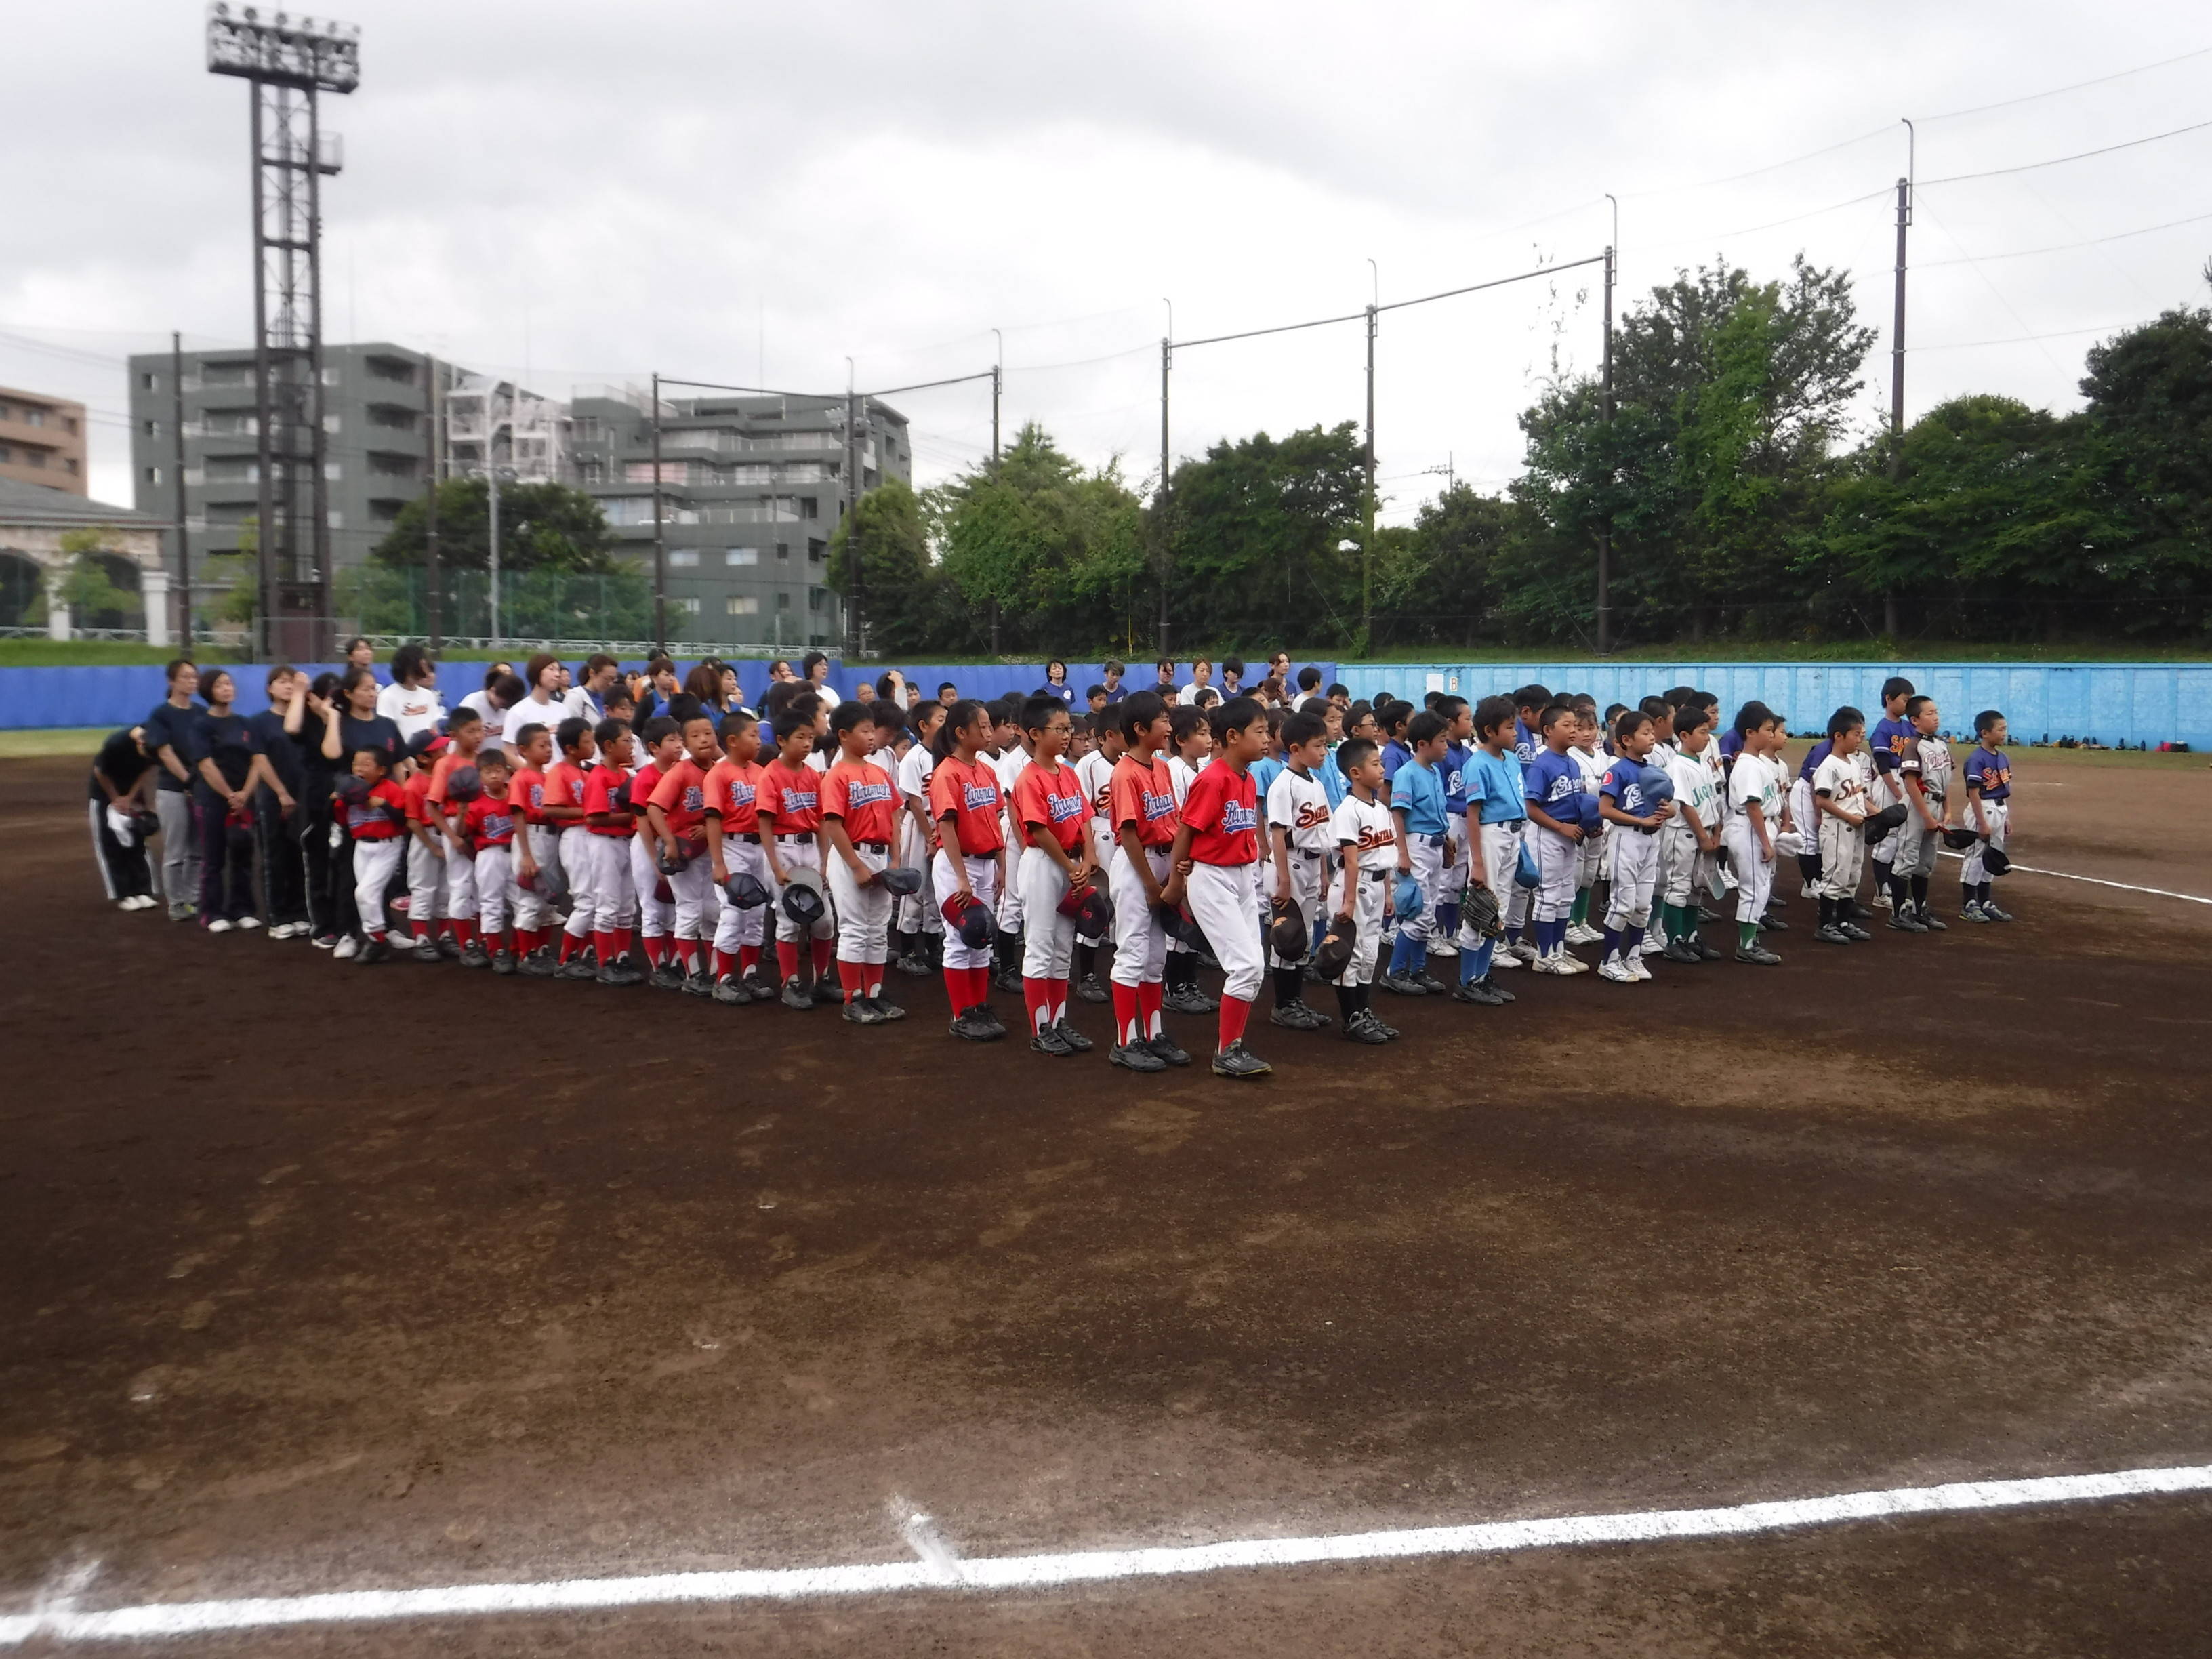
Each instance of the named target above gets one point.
<point>1497,816</point>
<point>1626,805</point>
<point>1555,785</point>
<point>1396,751</point>
<point>1417,802</point>
<point>1529,703</point>
<point>1989,815</point>
<point>1459,754</point>
<point>1886,745</point>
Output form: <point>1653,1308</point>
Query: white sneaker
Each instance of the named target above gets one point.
<point>1503,957</point>
<point>247,924</point>
<point>1881,899</point>
<point>1525,950</point>
<point>1582,933</point>
<point>1443,947</point>
<point>1551,964</point>
<point>1614,972</point>
<point>284,930</point>
<point>1573,964</point>
<point>218,926</point>
<point>347,948</point>
<point>1637,970</point>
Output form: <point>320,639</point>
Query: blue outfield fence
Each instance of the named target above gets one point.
<point>2114,703</point>
<point>35,698</point>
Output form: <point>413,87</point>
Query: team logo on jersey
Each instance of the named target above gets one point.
<point>497,826</point>
<point>1373,838</point>
<point>799,800</point>
<point>1236,818</point>
<point>1064,807</point>
<point>1311,815</point>
<point>742,793</point>
<point>1156,806</point>
<point>866,794</point>
<point>694,797</point>
<point>979,797</point>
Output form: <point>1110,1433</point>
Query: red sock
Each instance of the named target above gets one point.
<point>1148,999</point>
<point>530,938</point>
<point>1127,1017</point>
<point>821,954</point>
<point>1234,1011</point>
<point>748,959</point>
<point>622,941</point>
<point>603,943</point>
<point>853,976</point>
<point>725,963</point>
<point>568,944</point>
<point>495,942</point>
<point>445,925</point>
<point>1036,997</point>
<point>956,990</point>
<point>1060,999</point>
<point>466,927</point>
<point>978,981</point>
<point>786,956</point>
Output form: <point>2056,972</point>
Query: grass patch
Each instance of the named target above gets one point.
<point>84,740</point>
<point>82,653</point>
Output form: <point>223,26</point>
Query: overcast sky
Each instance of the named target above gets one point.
<point>592,193</point>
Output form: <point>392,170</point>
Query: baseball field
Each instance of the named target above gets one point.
<point>608,1321</point>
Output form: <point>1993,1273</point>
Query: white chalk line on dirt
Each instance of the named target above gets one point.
<point>2099,881</point>
<point>58,1618</point>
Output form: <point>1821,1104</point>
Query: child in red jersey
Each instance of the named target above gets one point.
<point>426,850</point>
<point>611,826</point>
<point>563,812</point>
<point>1052,814</point>
<point>487,829</point>
<point>676,814</point>
<point>731,809</point>
<point>534,847</point>
<point>1141,813</point>
<point>970,861</point>
<point>1220,835</point>
<point>790,807</point>
<point>465,733</point>
<point>375,815</point>
<point>662,742</point>
<point>859,805</point>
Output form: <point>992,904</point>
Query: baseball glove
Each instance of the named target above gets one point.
<point>1478,909</point>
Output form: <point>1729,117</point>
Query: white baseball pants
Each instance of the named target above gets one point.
<point>1309,870</point>
<point>1048,947</point>
<point>491,880</point>
<point>1843,857</point>
<point>1223,904</point>
<point>614,901</point>
<point>426,887</point>
<point>374,863</point>
<point>1634,874</point>
<point>1370,898</point>
<point>794,853</point>
<point>1998,814</point>
<point>983,870</point>
<point>1557,858</point>
<point>1753,871</point>
<point>1140,945</point>
<point>579,863</point>
<point>862,913</point>
<point>734,929</point>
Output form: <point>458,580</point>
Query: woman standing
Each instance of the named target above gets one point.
<point>411,701</point>
<point>358,727</point>
<point>307,716</point>
<point>543,675</point>
<point>229,768</point>
<point>502,689</point>
<point>1055,683</point>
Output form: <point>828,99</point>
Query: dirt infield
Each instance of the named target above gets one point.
<point>320,1277</point>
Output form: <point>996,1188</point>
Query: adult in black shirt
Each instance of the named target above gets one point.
<point>358,727</point>
<point>326,868</point>
<point>169,738</point>
<point>122,781</point>
<point>276,838</point>
<point>230,768</point>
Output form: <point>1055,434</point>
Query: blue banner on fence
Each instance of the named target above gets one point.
<point>2114,703</point>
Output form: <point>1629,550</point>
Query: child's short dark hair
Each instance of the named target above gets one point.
<point>1037,712</point>
<point>1338,689</point>
<point>1658,708</point>
<point>660,726</point>
<point>1986,719</point>
<point>1208,697</point>
<point>1628,723</point>
<point>1896,686</point>
<point>608,730</point>
<point>1006,710</point>
<point>1676,696</point>
<point>945,685</point>
<point>887,715</point>
<point>1091,691</point>
<point>1553,714</point>
<point>848,715</point>
<point>1184,721</point>
<point>1531,696</point>
<point>1303,727</point>
<point>493,757</point>
<point>1393,718</point>
<point>1239,713</point>
<point>618,697</point>
<point>1690,716</point>
<point>1449,703</point>
<point>1354,751</point>
<point>1494,713</point>
<point>1914,705</point>
<point>522,737</point>
<point>734,725</point>
<point>572,731</point>
<point>790,722</point>
<point>1233,665</point>
<point>1752,716</point>
<point>1846,718</point>
<point>460,717</point>
<point>1138,711</point>
<point>1309,679</point>
<point>1424,727</point>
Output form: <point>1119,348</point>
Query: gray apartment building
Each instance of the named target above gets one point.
<point>751,488</point>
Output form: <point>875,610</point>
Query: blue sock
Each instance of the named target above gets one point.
<point>1448,921</point>
<point>1612,941</point>
<point>1473,965</point>
<point>1481,956</point>
<point>1401,953</point>
<point>1320,927</point>
<point>1556,929</point>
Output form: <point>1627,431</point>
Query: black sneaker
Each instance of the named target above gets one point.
<point>1430,984</point>
<point>1989,909</point>
<point>425,950</point>
<point>826,991</point>
<point>1495,988</point>
<point>1680,950</point>
<point>1831,934</point>
<point>1902,920</point>
<point>996,1026</point>
<point>1930,921</point>
<point>1050,1042</point>
<point>502,962</point>
<point>619,972</point>
<point>976,1026</point>
<point>1757,954</point>
<point>1188,1000</point>
<point>1006,979</point>
<point>669,975</point>
<point>473,955</point>
<point>1364,1027</point>
<point>449,947</point>
<point>1091,991</point>
<point>701,983</point>
<point>861,1012</point>
<point>538,964</point>
<point>732,992</point>
<point>1238,1061</point>
<point>890,1011</point>
<point>375,950</point>
<point>1077,1043</point>
<point>1403,985</point>
<point>796,995</point>
<point>1475,991</point>
<point>1853,932</point>
<point>1297,1017</point>
<point>1136,1057</point>
<point>1705,952</point>
<point>913,964</point>
<point>1770,923</point>
<point>583,965</point>
<point>1859,912</point>
<point>1167,1050</point>
<point>1703,914</point>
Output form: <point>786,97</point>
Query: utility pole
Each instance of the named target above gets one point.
<point>1605,522</point>
<point>1897,379</point>
<point>1367,541</point>
<point>1167,359</point>
<point>184,550</point>
<point>433,575</point>
<point>491,478</point>
<point>660,533</point>
<point>998,377</point>
<point>855,560</point>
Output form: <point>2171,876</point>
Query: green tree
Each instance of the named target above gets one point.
<point>911,605</point>
<point>84,585</point>
<point>541,527</point>
<point>2150,420</point>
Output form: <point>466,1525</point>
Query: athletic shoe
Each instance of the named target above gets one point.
<point>346,949</point>
<point>1077,1043</point>
<point>1637,970</point>
<point>1495,988</point>
<point>1972,912</point>
<point>449,947</point>
<point>890,1011</point>
<point>669,975</point>
<point>179,912</point>
<point>1050,1042</point>
<point>1582,933</point>
<point>1903,921</point>
<point>1443,947</point>
<point>976,1026</point>
<point>1480,992</point>
<point>502,962</point>
<point>375,950</point>
<point>1238,1061</point>
<point>537,964</point>
<point>1678,950</point>
<point>826,992</point>
<point>1364,1027</point>
<point>1091,991</point>
<point>1389,1032</point>
<point>1573,964</point>
<point>1136,1057</point>
<point>1831,934</point>
<point>1430,983</point>
<point>582,965</point>
<point>914,965</point>
<point>1989,909</point>
<point>861,1012</point>
<point>218,926</point>
<point>998,1026</point>
<point>795,995</point>
<point>1006,979</point>
<point>1705,915</point>
<point>1188,1000</point>
<point>1167,1048</point>
<point>620,972</point>
<point>1770,923</point>
<point>1523,950</point>
<point>326,941</point>
<point>1705,952</point>
<point>1882,902</point>
<point>473,955</point>
<point>1295,1017</point>
<point>1402,985</point>
<point>1758,954</point>
<point>424,950</point>
<point>282,930</point>
<point>1929,920</point>
<point>1859,912</point>
<point>1614,971</point>
<point>1853,932</point>
<point>247,924</point>
<point>731,992</point>
<point>1505,957</point>
<point>1554,963</point>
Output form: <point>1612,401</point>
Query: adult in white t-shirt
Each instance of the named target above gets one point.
<point>411,701</point>
<point>1202,676</point>
<point>502,688</point>
<point>541,705</point>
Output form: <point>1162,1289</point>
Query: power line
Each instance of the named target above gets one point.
<point>2056,161</point>
<point>2033,97</point>
<point>2061,247</point>
<point>1888,129</point>
<point>2023,339</point>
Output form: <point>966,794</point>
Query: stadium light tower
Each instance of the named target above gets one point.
<point>288,59</point>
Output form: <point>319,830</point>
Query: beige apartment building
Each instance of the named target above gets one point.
<point>42,440</point>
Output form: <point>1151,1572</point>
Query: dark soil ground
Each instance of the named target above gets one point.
<point>320,1277</point>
